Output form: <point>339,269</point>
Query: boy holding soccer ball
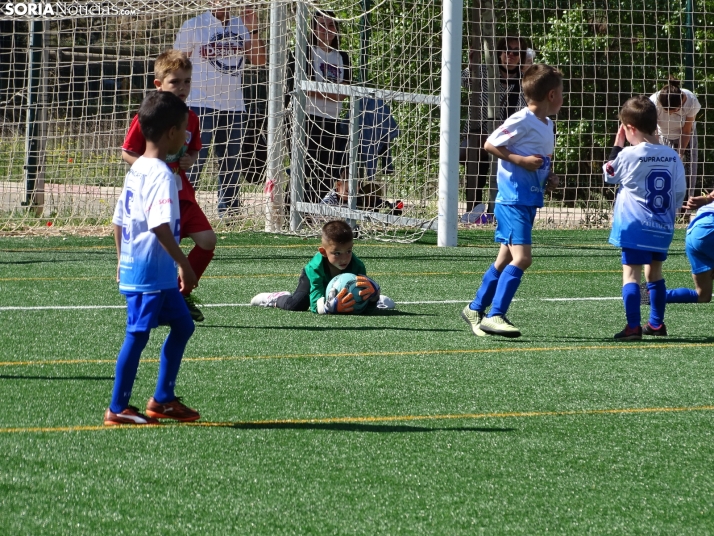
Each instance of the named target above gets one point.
<point>172,73</point>
<point>524,146</point>
<point>652,188</point>
<point>333,257</point>
<point>146,233</point>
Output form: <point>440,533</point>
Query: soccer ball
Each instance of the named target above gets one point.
<point>348,281</point>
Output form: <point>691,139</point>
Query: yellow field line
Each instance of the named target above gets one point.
<point>375,419</point>
<point>521,350</point>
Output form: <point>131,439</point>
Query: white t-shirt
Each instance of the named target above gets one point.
<point>669,126</point>
<point>217,52</point>
<point>652,188</point>
<point>148,199</point>
<point>327,66</point>
<point>524,134</point>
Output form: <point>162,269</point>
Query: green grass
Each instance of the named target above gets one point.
<point>400,422</point>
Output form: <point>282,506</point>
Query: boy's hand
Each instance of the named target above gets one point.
<point>531,163</point>
<point>370,289</point>
<point>187,277</point>
<point>118,266</point>
<point>344,302</point>
<point>552,182</point>
<point>620,137</point>
<point>186,161</point>
<point>693,203</point>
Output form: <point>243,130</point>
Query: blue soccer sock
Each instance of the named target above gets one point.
<point>631,300</point>
<point>658,302</point>
<point>682,295</point>
<point>126,367</point>
<point>171,356</point>
<point>507,286</point>
<point>485,293</point>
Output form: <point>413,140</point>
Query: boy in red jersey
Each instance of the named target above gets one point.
<point>172,72</point>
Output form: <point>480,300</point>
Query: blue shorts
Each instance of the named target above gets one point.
<point>514,224</point>
<point>700,245</point>
<point>147,311</point>
<point>640,256</point>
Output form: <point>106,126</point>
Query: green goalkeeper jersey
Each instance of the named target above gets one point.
<point>318,273</point>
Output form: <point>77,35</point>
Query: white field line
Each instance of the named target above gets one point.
<point>439,302</point>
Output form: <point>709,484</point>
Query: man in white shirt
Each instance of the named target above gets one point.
<point>219,46</point>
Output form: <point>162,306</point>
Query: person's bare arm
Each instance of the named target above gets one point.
<point>117,243</point>
<point>531,163</point>
<point>129,156</point>
<point>167,240</point>
<point>255,47</point>
<point>686,136</point>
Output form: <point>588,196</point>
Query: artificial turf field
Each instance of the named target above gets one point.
<point>396,423</point>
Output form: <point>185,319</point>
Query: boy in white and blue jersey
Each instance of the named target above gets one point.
<point>147,232</point>
<point>524,146</point>
<point>652,188</point>
<point>700,252</point>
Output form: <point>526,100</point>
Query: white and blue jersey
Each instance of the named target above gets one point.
<point>523,134</point>
<point>652,188</point>
<point>149,199</point>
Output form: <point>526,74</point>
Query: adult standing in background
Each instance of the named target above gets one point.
<point>219,47</point>
<point>326,157</point>
<point>677,111</point>
<point>512,54</point>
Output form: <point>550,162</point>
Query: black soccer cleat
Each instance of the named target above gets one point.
<point>658,332</point>
<point>629,334</point>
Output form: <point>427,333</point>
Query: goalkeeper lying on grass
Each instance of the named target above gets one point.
<point>334,257</point>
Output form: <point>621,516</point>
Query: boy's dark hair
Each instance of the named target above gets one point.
<point>539,80</point>
<point>523,46</point>
<point>670,96</point>
<point>337,232</point>
<point>159,112</point>
<point>335,44</point>
<point>641,113</point>
<point>169,62</point>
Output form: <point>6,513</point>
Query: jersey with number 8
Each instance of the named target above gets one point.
<point>652,188</point>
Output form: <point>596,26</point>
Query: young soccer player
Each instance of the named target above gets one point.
<point>700,252</point>
<point>524,146</point>
<point>147,227</point>
<point>334,257</point>
<point>172,72</point>
<point>652,188</point>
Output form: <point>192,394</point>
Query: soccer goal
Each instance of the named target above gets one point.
<point>74,75</point>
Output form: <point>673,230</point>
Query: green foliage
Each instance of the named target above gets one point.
<point>607,53</point>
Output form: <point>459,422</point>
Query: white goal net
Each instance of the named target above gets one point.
<point>332,110</point>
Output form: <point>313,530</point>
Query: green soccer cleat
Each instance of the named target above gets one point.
<point>196,313</point>
<point>658,332</point>
<point>499,325</point>
<point>473,319</point>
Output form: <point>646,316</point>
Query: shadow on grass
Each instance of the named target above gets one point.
<point>330,328</point>
<point>80,378</point>
<point>359,427</point>
<point>645,340</point>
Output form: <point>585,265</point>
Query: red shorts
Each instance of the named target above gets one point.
<point>193,220</point>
